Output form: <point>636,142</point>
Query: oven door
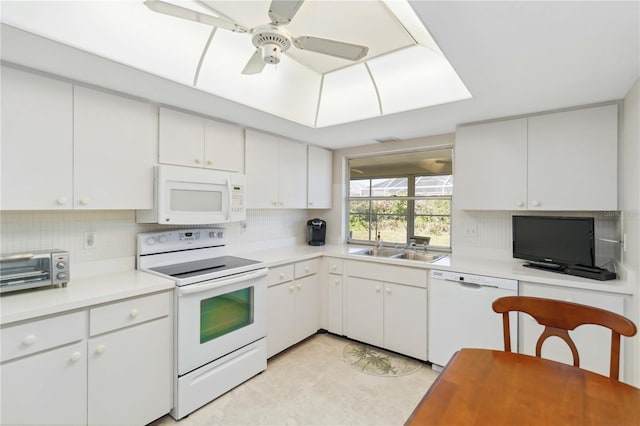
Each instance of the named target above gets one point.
<point>220,316</point>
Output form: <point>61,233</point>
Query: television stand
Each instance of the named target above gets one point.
<point>594,273</point>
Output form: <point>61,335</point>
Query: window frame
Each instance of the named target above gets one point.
<point>410,198</point>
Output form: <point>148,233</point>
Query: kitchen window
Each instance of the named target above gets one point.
<point>401,196</point>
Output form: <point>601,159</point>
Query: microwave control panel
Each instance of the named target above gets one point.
<point>237,199</point>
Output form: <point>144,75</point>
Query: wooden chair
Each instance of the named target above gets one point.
<point>558,317</point>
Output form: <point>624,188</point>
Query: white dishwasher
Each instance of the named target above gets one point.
<point>461,316</point>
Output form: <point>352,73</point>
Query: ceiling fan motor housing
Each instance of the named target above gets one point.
<point>273,41</point>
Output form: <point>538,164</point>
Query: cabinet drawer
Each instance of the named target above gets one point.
<point>35,336</point>
<point>303,269</point>
<point>389,273</point>
<point>335,266</point>
<point>128,312</point>
<point>280,274</point>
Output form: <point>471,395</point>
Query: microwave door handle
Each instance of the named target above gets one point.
<point>17,256</point>
<point>230,199</point>
<point>201,288</point>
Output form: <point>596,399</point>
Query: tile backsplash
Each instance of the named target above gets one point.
<point>115,231</point>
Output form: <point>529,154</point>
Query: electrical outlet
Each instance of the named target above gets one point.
<point>471,231</point>
<point>88,240</point>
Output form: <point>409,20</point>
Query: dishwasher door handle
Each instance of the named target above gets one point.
<point>470,284</point>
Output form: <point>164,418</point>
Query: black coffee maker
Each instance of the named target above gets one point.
<point>316,232</point>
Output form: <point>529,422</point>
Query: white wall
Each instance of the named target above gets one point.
<point>115,234</point>
<point>630,201</point>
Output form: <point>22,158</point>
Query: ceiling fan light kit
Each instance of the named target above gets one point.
<point>270,39</point>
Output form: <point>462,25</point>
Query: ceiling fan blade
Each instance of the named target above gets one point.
<point>255,64</point>
<point>282,12</point>
<point>353,52</point>
<point>191,15</point>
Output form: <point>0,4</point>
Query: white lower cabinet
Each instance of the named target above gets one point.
<point>593,342</point>
<point>392,315</point>
<point>293,305</point>
<point>48,388</point>
<point>56,371</point>
<point>131,369</point>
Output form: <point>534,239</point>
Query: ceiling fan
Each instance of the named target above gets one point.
<point>269,39</point>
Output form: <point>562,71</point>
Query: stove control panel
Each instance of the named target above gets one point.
<point>180,239</point>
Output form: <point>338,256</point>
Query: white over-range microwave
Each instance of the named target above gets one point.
<point>192,196</point>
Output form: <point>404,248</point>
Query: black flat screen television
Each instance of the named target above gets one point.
<point>554,242</point>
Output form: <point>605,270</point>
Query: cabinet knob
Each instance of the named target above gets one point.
<point>299,286</point>
<point>291,288</point>
<point>134,313</point>
<point>30,339</point>
<point>101,348</point>
<point>334,267</point>
<point>61,201</point>
<point>75,357</point>
<point>209,162</point>
<point>535,203</point>
<point>282,276</point>
<point>388,290</point>
<point>275,203</point>
<point>85,201</point>
<point>280,203</point>
<point>520,204</point>
<point>337,281</point>
<point>377,289</point>
<point>197,161</point>
<point>310,203</point>
<point>307,269</point>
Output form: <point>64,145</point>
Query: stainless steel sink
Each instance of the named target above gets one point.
<point>400,254</point>
<point>379,253</point>
<point>425,257</point>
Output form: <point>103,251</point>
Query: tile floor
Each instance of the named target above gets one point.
<point>310,384</point>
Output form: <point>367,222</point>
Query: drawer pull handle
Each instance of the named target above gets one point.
<point>75,357</point>
<point>282,276</point>
<point>101,348</point>
<point>30,340</point>
<point>134,313</point>
<point>307,269</point>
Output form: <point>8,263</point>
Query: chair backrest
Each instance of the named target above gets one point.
<point>558,317</point>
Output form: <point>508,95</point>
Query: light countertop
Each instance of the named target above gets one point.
<point>79,293</point>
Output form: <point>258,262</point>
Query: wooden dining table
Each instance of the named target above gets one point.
<point>486,387</point>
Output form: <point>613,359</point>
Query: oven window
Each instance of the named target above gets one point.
<point>196,201</point>
<point>225,313</point>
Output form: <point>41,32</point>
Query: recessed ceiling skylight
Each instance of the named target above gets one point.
<point>403,70</point>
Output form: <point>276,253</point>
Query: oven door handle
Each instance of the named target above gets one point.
<point>201,288</point>
<point>229,199</point>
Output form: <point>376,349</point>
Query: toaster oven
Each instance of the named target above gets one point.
<point>20,271</point>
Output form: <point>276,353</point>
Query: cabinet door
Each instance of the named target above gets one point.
<point>115,149</point>
<point>280,319</point>
<point>49,388</point>
<point>573,160</point>
<point>593,342</point>
<point>181,138</point>
<point>130,374</point>
<point>319,178</point>
<point>405,320</point>
<point>307,307</point>
<point>491,166</point>
<point>363,310</point>
<point>261,163</point>
<point>335,304</point>
<point>37,142</point>
<point>223,146</point>
<point>292,177</point>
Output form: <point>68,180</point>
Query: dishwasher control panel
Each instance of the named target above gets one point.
<point>475,279</point>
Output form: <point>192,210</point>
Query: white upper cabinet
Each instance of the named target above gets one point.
<point>320,169</point>
<point>573,160</point>
<point>561,161</point>
<point>276,172</point>
<point>190,140</point>
<point>490,166</point>
<point>115,142</point>
<point>37,142</point>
